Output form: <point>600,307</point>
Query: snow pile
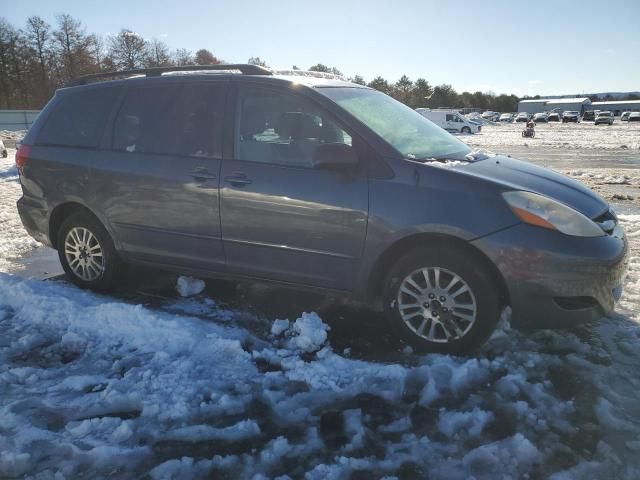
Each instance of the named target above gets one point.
<point>308,333</point>
<point>602,177</point>
<point>189,286</point>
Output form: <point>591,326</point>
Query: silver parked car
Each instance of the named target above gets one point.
<point>313,183</point>
<point>541,117</point>
<point>570,116</point>
<point>604,117</point>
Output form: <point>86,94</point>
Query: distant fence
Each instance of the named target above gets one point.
<point>14,120</point>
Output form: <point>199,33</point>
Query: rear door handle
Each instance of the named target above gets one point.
<point>202,174</point>
<point>238,179</point>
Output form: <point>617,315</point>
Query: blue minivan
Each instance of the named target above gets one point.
<point>238,172</point>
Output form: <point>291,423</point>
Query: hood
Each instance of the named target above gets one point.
<point>519,175</point>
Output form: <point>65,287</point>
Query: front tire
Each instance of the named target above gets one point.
<point>465,130</point>
<point>441,300</point>
<point>87,254</point>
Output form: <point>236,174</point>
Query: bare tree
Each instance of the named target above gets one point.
<point>128,50</point>
<point>182,57</point>
<point>72,46</point>
<point>38,33</point>
<point>157,54</point>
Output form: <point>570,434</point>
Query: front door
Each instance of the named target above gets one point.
<point>158,185</point>
<point>282,218</point>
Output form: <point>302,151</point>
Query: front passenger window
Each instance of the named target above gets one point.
<point>282,129</point>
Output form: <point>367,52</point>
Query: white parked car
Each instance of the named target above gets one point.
<point>506,117</point>
<point>3,150</point>
<point>634,117</point>
<point>554,117</point>
<point>604,117</point>
<point>541,117</point>
<point>450,120</point>
<point>522,117</point>
<point>625,116</point>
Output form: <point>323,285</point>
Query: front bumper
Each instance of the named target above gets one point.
<point>554,280</point>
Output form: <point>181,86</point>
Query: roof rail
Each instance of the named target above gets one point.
<point>245,69</point>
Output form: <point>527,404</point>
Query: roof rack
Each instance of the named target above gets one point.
<point>158,71</point>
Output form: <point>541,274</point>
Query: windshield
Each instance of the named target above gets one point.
<point>403,128</point>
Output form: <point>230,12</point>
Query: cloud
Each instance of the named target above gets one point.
<point>534,82</point>
<point>163,35</point>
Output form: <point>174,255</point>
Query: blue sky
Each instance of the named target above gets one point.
<point>504,46</point>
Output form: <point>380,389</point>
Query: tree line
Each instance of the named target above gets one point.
<point>40,57</point>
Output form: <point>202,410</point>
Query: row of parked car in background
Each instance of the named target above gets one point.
<point>568,116</point>
<point>453,121</point>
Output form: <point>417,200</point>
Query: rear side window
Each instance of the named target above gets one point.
<point>79,118</point>
<point>183,120</point>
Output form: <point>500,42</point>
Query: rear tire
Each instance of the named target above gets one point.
<point>87,253</point>
<point>445,317</point>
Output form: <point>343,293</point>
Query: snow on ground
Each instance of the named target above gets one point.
<point>12,135</point>
<point>94,386</point>
<point>14,239</point>
<point>585,135</point>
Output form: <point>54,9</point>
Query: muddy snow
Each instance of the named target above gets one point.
<point>201,387</point>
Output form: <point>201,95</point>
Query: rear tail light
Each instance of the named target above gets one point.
<point>22,155</point>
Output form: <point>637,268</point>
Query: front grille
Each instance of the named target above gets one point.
<point>607,221</point>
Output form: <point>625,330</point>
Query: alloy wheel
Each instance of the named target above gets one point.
<point>83,253</point>
<point>437,304</point>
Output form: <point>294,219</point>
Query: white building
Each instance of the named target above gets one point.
<point>617,106</point>
<point>579,104</point>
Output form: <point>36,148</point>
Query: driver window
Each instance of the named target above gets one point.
<point>282,129</point>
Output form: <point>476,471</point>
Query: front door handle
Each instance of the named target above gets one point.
<point>202,174</point>
<point>238,179</point>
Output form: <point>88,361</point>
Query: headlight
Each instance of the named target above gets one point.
<point>543,212</point>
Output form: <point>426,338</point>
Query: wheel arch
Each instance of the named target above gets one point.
<point>416,241</point>
<point>61,212</point>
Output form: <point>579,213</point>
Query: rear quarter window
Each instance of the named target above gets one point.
<point>181,120</point>
<point>79,118</point>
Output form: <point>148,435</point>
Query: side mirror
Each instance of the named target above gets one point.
<point>334,156</point>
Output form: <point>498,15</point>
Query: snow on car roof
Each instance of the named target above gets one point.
<point>313,81</point>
